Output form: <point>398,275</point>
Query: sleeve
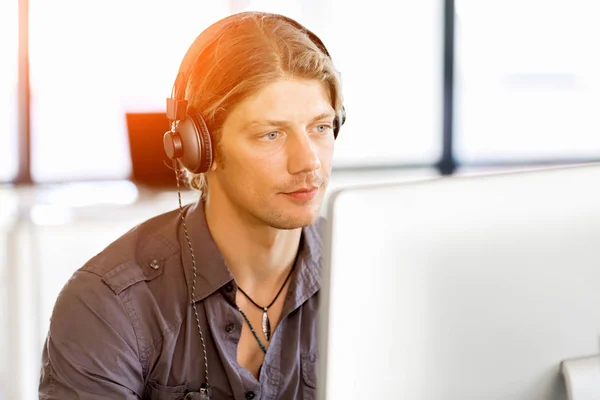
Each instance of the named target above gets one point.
<point>91,351</point>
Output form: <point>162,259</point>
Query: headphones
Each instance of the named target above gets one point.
<point>189,140</point>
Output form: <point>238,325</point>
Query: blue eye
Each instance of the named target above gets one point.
<point>322,128</point>
<point>271,135</point>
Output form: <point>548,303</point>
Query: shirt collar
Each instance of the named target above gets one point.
<point>212,272</point>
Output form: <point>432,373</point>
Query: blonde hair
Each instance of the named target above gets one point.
<point>258,50</point>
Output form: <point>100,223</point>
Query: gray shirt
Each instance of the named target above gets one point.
<point>123,327</point>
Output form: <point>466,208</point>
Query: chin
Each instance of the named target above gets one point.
<point>293,219</point>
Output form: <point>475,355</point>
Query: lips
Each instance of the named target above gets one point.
<point>303,194</point>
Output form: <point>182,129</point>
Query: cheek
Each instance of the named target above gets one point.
<point>326,154</point>
<point>253,176</point>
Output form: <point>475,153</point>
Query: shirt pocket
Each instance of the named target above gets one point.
<point>156,391</point>
<point>309,376</point>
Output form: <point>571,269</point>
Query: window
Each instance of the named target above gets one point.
<point>88,71</point>
<point>9,42</point>
<point>527,83</point>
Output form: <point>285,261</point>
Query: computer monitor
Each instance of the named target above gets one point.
<point>461,287</point>
<point>150,165</point>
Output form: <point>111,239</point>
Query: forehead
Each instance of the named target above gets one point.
<point>286,99</point>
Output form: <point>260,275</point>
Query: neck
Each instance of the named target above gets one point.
<point>256,254</point>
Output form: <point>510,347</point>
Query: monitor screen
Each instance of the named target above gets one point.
<point>461,287</point>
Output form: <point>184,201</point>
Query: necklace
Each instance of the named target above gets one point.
<point>262,346</point>
<point>266,324</point>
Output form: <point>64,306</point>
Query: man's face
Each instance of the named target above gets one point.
<point>276,149</point>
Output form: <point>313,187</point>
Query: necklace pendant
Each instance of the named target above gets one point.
<point>201,395</point>
<point>266,325</point>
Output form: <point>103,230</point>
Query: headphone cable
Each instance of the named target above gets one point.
<point>206,389</point>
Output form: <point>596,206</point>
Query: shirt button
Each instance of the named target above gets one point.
<point>154,264</point>
<point>230,327</point>
<point>250,395</point>
<point>229,287</point>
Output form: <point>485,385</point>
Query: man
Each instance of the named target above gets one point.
<point>218,298</point>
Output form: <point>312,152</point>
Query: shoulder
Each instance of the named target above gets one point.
<point>137,255</point>
<point>130,259</point>
<point>113,297</point>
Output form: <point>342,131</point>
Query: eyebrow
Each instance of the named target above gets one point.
<point>272,122</point>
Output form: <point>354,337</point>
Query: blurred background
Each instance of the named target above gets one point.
<point>432,88</point>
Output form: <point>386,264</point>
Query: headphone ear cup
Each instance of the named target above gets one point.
<point>196,146</point>
<point>172,145</point>
<point>338,121</point>
<point>336,127</point>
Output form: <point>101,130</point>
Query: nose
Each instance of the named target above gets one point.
<point>303,156</point>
